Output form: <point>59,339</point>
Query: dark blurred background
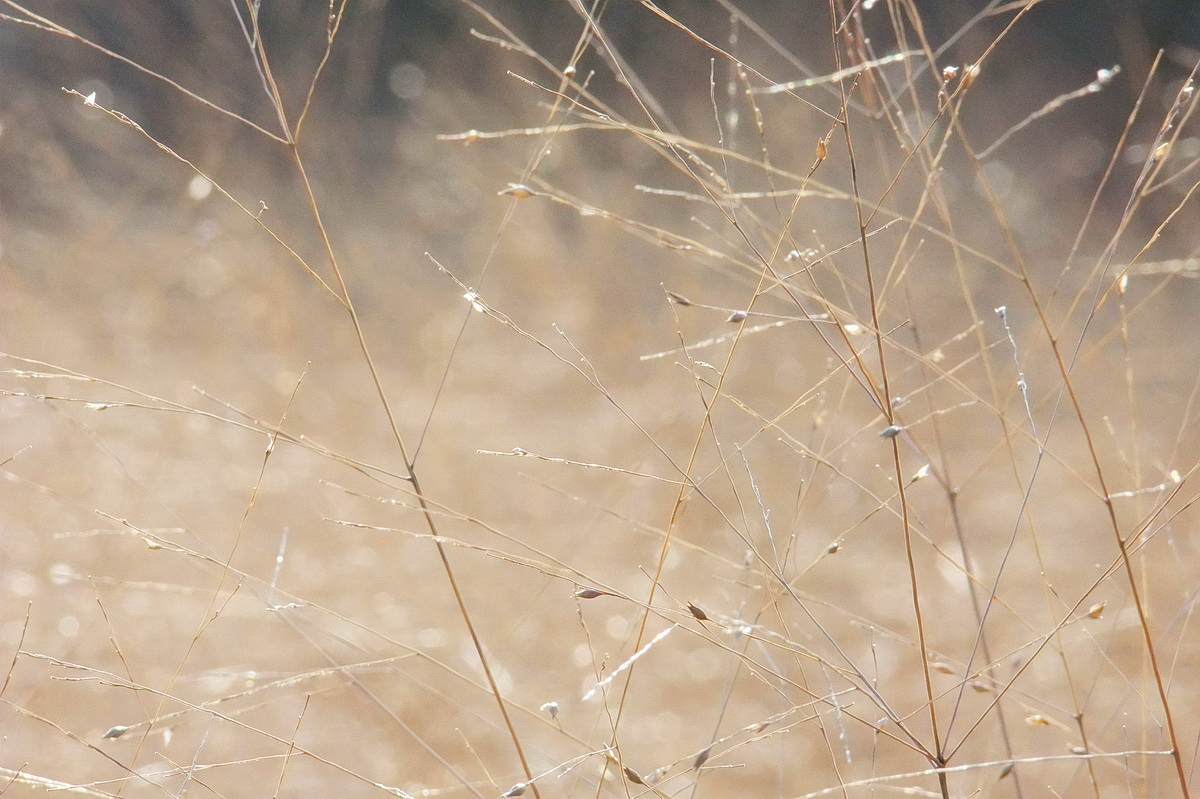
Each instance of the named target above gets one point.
<point>395,57</point>
<point>404,72</point>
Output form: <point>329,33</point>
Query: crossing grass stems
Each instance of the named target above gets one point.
<point>766,435</point>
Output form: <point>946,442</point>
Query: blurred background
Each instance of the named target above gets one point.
<point>161,553</point>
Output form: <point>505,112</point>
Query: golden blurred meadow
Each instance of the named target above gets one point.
<point>599,399</point>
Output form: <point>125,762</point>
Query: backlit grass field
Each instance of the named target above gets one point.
<point>615,399</point>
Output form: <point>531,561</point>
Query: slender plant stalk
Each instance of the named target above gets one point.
<point>426,510</point>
